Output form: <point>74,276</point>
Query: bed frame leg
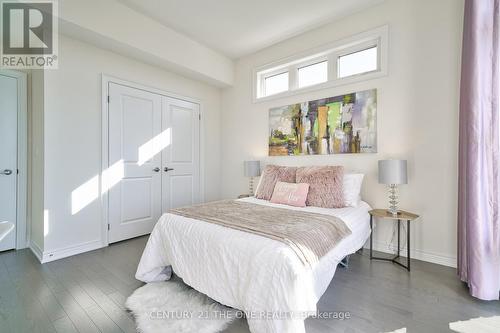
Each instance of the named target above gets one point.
<point>345,262</point>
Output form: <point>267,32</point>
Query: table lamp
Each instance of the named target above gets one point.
<point>252,169</point>
<point>392,173</point>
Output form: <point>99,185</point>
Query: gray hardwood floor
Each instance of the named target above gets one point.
<point>86,293</point>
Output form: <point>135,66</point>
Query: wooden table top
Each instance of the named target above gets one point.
<point>402,215</point>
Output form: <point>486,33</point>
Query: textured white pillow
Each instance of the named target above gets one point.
<point>352,188</point>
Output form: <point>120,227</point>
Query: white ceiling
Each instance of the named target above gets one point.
<point>240,27</point>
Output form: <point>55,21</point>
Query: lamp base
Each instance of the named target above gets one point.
<point>393,200</point>
<point>250,186</point>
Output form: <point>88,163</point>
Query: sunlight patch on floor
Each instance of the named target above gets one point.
<point>477,325</point>
<point>401,330</point>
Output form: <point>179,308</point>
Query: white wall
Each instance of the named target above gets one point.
<point>35,160</point>
<point>72,126</point>
<point>417,116</point>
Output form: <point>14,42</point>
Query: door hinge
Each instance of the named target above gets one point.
<point>199,116</point>
<point>108,99</point>
<point>108,226</point>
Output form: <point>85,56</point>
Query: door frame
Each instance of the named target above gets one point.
<point>106,80</point>
<point>22,237</point>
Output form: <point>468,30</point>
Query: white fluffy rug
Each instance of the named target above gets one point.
<point>172,306</point>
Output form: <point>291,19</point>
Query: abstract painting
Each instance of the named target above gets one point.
<point>335,125</point>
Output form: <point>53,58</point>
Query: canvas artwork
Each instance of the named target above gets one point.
<point>334,125</point>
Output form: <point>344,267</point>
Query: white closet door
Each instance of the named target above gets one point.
<point>134,174</point>
<point>181,158</point>
<point>8,157</point>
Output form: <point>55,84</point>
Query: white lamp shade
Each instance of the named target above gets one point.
<point>252,168</point>
<point>392,172</point>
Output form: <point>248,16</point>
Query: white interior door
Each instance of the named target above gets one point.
<point>134,173</point>
<point>8,156</point>
<point>181,157</point>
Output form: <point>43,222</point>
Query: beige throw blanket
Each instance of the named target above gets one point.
<point>310,235</point>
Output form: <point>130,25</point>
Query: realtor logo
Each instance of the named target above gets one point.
<point>29,34</point>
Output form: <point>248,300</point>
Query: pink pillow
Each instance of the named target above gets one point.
<point>290,194</point>
<point>325,185</point>
<point>271,175</point>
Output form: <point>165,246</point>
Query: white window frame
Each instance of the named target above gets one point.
<point>376,37</point>
<point>309,63</point>
<point>271,74</point>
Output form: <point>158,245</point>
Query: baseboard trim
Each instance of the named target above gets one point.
<point>37,251</point>
<point>49,256</point>
<point>416,254</point>
<point>69,251</point>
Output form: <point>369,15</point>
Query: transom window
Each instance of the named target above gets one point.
<point>313,74</point>
<point>358,62</point>
<point>276,83</point>
<point>357,58</point>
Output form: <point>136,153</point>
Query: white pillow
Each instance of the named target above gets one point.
<point>352,188</point>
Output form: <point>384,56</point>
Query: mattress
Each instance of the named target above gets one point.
<point>261,276</point>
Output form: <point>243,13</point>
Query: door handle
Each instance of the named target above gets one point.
<point>6,172</point>
<point>156,169</point>
<point>167,169</point>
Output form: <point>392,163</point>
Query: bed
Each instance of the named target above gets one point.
<point>258,275</point>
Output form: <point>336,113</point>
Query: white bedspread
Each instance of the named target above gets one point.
<point>246,271</point>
